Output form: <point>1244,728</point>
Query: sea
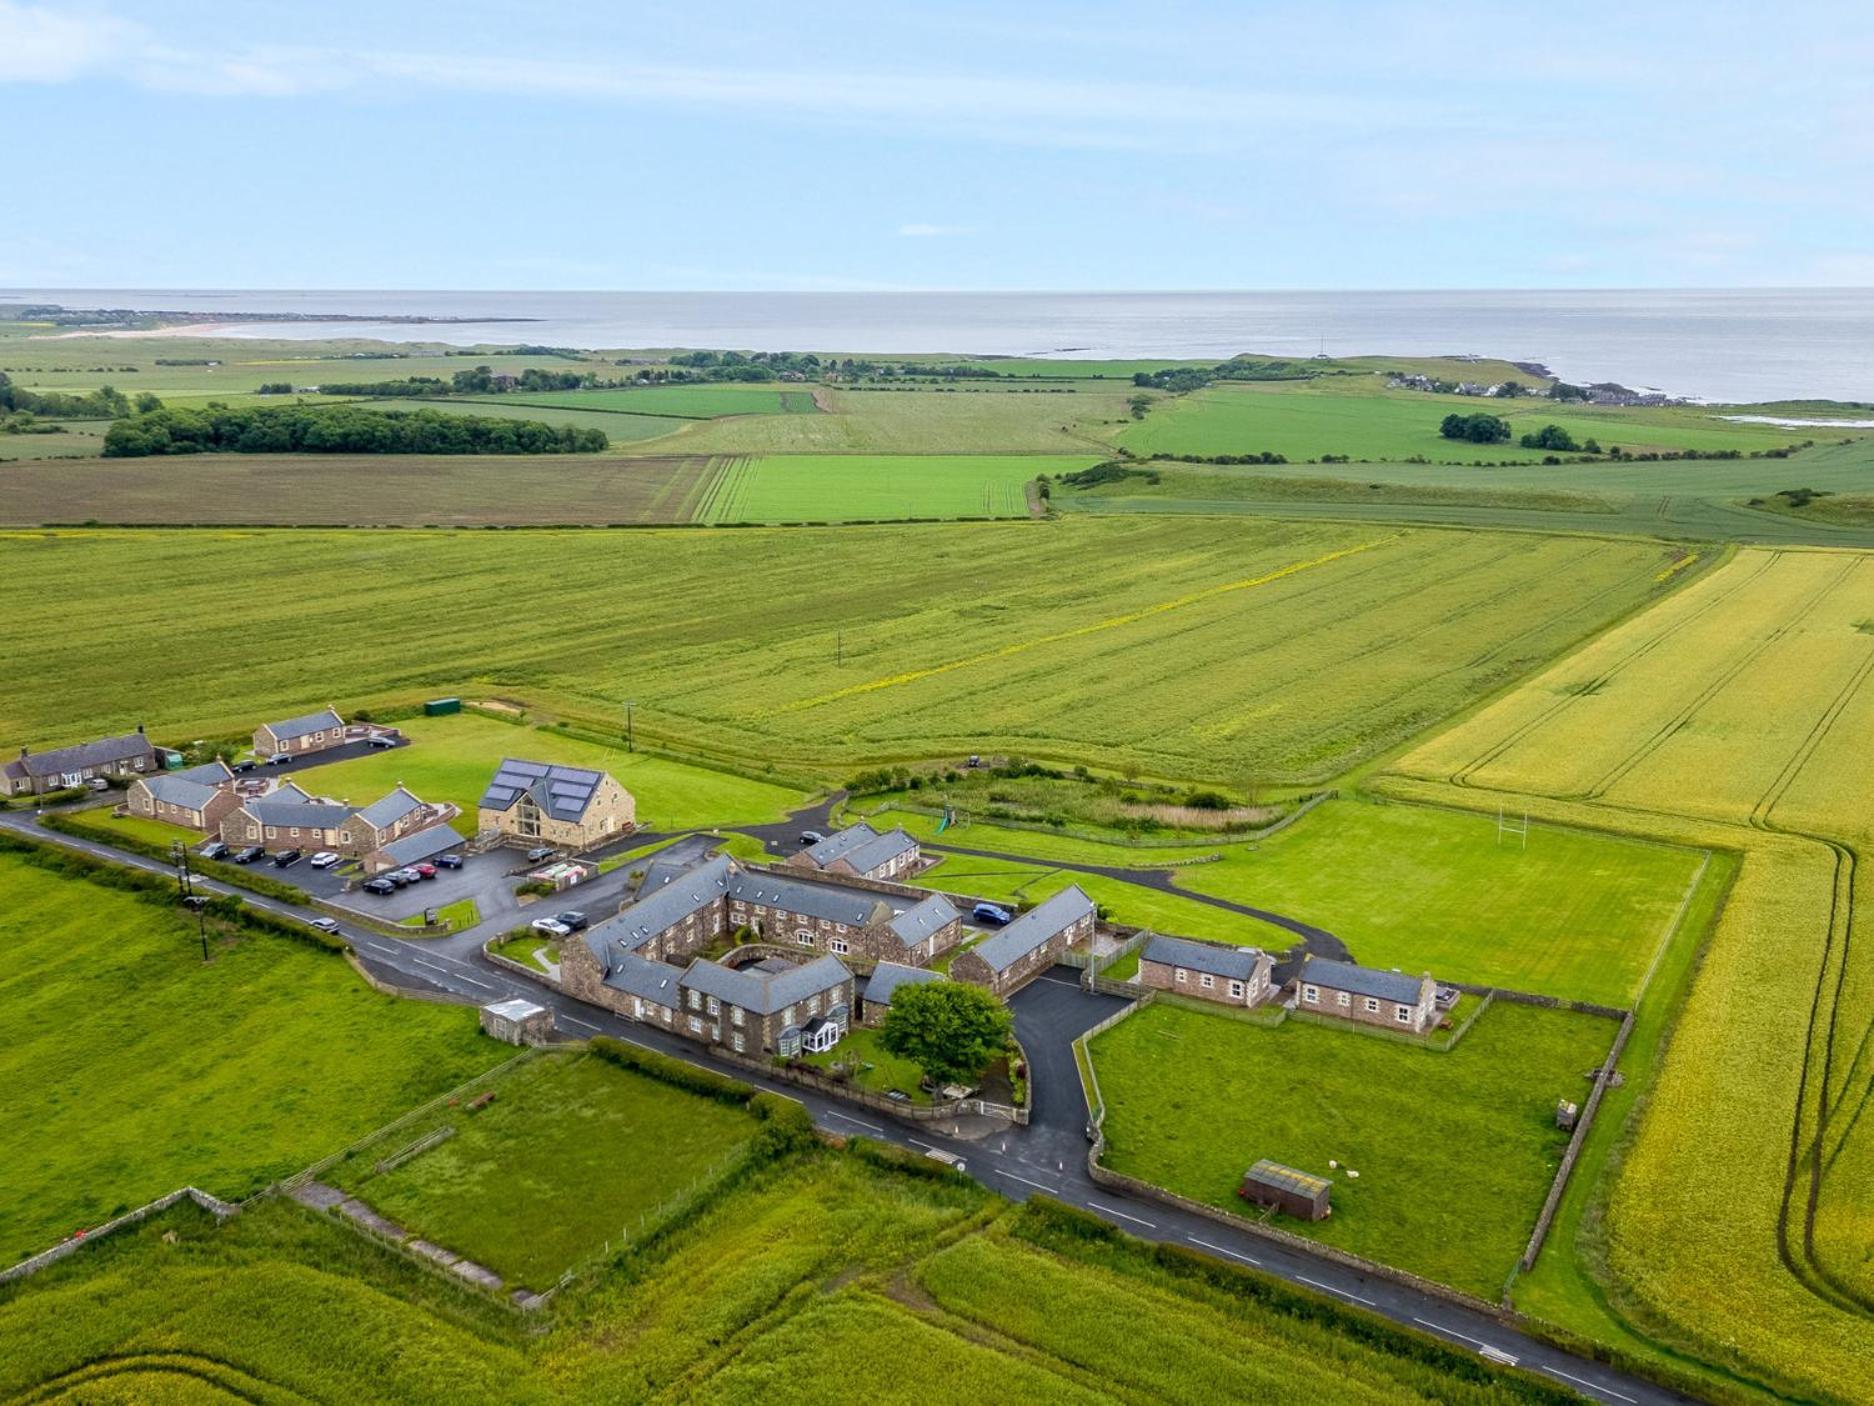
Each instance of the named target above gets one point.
<point>1731,345</point>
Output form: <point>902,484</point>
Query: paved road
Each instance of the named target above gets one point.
<point>1050,1155</point>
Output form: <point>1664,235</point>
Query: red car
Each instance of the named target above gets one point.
<point>426,871</point>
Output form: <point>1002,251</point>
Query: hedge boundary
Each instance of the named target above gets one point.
<point>233,874</point>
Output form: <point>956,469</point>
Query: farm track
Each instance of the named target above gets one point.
<point>1463,776</point>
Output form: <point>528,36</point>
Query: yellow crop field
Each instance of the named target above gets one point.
<point>1738,714</point>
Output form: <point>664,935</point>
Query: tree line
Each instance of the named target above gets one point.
<point>105,403</point>
<point>340,429</point>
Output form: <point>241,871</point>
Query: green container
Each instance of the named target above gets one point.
<point>438,707</point>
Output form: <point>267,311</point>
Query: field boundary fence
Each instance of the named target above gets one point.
<point>214,1205</point>
<point>1072,832</point>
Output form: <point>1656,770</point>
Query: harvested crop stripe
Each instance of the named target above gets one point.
<point>1112,622</point>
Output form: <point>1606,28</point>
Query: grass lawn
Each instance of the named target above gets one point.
<point>528,949</point>
<point>1577,914</point>
<point>844,487</point>
<point>451,759</point>
<point>159,832</point>
<point>573,1151</point>
<point>862,1047</point>
<point>461,914</point>
<point>131,1068</point>
<point>1455,1150</point>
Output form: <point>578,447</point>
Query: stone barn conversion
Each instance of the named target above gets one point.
<point>314,732</point>
<point>861,852</point>
<point>542,803</point>
<point>1367,995</point>
<point>197,799</point>
<point>886,979</point>
<point>1231,976</point>
<point>1028,946</point>
<point>114,758</point>
<point>1284,1189</point>
<point>518,1022</point>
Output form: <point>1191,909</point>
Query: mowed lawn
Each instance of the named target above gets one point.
<point>1455,1150</point>
<point>452,759</point>
<point>130,1068</point>
<point>1571,913</point>
<point>1365,422</point>
<point>845,487</point>
<point>572,1152</point>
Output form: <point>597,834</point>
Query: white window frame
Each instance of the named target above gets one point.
<point>696,1025</point>
<point>1311,994</point>
<point>1342,999</point>
<point>1180,976</point>
<point>839,946</point>
<point>1403,1014</point>
<point>1236,990</point>
<point>735,1016</point>
<point>803,936</point>
<point>1206,980</point>
<point>1372,1005</point>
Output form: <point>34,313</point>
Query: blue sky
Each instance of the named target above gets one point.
<point>1317,144</point>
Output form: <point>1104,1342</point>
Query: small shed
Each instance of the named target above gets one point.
<point>563,874</point>
<point>442,707</point>
<point>1293,1193</point>
<point>518,1022</point>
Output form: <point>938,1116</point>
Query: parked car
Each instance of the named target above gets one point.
<point>324,859</point>
<point>214,849</point>
<point>552,927</point>
<point>98,783</point>
<point>991,915</point>
<point>248,855</point>
<point>244,766</point>
<point>325,924</point>
<point>811,837</point>
<point>279,759</point>
<point>396,878</point>
<point>448,861</point>
<point>380,887</point>
<point>286,859</point>
<point>538,853</point>
<point>378,739</point>
<point>426,871</point>
<point>574,920</point>
<point>408,875</point>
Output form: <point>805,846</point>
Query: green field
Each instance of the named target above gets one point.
<point>559,1163</point>
<point>1252,653</point>
<point>452,759</point>
<point>822,1270</point>
<point>698,402</point>
<point>1455,1150</point>
<point>132,1068</point>
<point>1364,421</point>
<point>841,488</point>
<point>1572,913</point>
<point>624,430</point>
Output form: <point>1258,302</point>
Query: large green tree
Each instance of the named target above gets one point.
<point>950,1029</point>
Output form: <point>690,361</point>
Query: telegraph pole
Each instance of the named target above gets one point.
<point>628,707</point>
<point>185,888</point>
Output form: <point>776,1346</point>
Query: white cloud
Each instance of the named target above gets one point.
<point>41,45</point>
<point>921,231</point>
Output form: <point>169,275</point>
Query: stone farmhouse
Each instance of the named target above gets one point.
<point>1231,976</point>
<point>197,799</point>
<point>1028,946</point>
<point>772,1006</point>
<point>861,852</point>
<point>567,807</point>
<point>1367,994</point>
<point>315,732</point>
<point>887,978</point>
<point>35,773</point>
<point>289,818</point>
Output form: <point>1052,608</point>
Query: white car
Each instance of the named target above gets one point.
<point>324,924</point>
<point>324,859</point>
<point>378,739</point>
<point>552,927</point>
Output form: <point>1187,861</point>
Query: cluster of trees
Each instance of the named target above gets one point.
<point>743,366</point>
<point>954,1031</point>
<point>1267,456</point>
<point>105,403</point>
<point>340,429</point>
<point>1240,368</point>
<point>1475,429</point>
<point>482,380</point>
<point>1111,471</point>
<point>1560,440</point>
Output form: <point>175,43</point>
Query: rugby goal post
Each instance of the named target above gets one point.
<point>1513,827</point>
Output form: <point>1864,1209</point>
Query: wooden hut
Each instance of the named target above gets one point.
<point>1293,1193</point>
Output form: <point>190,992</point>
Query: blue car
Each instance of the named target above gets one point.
<point>990,914</point>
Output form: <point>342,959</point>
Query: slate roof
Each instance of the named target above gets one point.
<point>1238,963</point>
<point>918,922</point>
<point>1034,928</point>
<point>515,1008</point>
<point>322,721</point>
<point>860,846</point>
<point>562,792</point>
<point>103,752</point>
<point>681,895</point>
<point>848,906</point>
<point>423,844</point>
<point>381,814</point>
<point>639,976</point>
<point>887,977</point>
<point>765,992</point>
<point>1363,981</point>
<point>192,789</point>
<point>1274,1174</point>
<point>840,843</point>
<point>289,805</point>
